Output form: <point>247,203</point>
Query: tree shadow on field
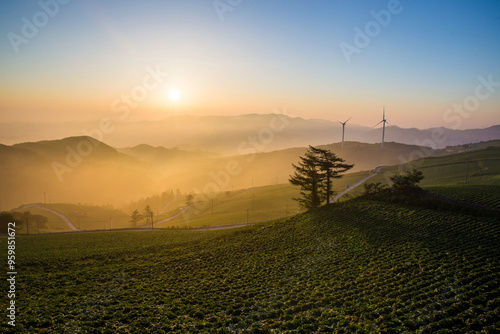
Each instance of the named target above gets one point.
<point>377,224</point>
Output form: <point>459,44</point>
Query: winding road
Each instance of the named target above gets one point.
<point>189,206</point>
<point>360,182</point>
<point>63,217</point>
<point>212,228</point>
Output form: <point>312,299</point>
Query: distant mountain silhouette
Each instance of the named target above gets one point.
<point>230,135</point>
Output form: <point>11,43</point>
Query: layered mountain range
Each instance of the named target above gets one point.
<point>120,162</point>
<point>228,134</point>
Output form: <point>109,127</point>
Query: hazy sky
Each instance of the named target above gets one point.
<point>331,59</point>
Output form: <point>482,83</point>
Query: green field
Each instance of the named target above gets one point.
<point>275,201</point>
<point>359,266</point>
<point>248,205</point>
<point>84,217</point>
<point>54,223</point>
<point>232,207</point>
<point>483,168</point>
<point>486,195</point>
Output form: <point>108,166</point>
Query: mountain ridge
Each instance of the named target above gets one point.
<point>108,175</point>
<point>224,134</point>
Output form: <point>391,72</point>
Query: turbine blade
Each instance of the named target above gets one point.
<point>347,120</point>
<point>377,124</point>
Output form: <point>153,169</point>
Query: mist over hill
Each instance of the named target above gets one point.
<point>231,135</point>
<point>85,170</point>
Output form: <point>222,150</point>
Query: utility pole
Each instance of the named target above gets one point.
<point>27,225</point>
<point>247,216</point>
<point>151,220</point>
<point>212,206</point>
<point>253,201</point>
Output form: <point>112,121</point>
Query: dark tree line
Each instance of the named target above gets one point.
<point>135,217</point>
<point>315,173</point>
<point>25,221</point>
<point>404,183</point>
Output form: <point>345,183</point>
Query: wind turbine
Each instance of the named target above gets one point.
<point>343,130</point>
<point>383,128</point>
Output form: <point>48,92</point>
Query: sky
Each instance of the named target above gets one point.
<point>430,63</point>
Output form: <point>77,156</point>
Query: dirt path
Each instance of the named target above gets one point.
<point>360,182</point>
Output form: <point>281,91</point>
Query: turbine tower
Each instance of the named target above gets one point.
<point>343,130</point>
<point>383,127</point>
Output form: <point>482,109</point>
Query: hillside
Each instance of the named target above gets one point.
<point>482,167</point>
<point>446,168</point>
<point>261,186</point>
<point>84,170</point>
<point>356,266</point>
<point>162,155</point>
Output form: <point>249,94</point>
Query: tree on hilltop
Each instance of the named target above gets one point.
<point>406,182</point>
<point>135,217</point>
<point>148,213</point>
<point>403,184</point>
<point>5,219</point>
<point>307,176</point>
<point>315,173</point>
<point>332,167</point>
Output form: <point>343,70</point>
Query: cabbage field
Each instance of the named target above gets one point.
<point>357,266</point>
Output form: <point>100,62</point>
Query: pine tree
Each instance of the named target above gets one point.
<point>135,217</point>
<point>308,177</point>
<point>332,167</point>
<point>148,213</point>
<point>315,173</point>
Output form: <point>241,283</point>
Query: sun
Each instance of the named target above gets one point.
<point>174,95</point>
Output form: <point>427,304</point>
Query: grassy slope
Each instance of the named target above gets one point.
<point>449,171</point>
<point>54,222</point>
<point>84,217</point>
<point>358,265</point>
<point>276,201</point>
<point>268,203</point>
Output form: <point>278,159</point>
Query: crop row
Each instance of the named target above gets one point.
<point>357,266</point>
<point>487,195</point>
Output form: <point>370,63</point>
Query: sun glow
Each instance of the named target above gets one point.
<point>174,95</point>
